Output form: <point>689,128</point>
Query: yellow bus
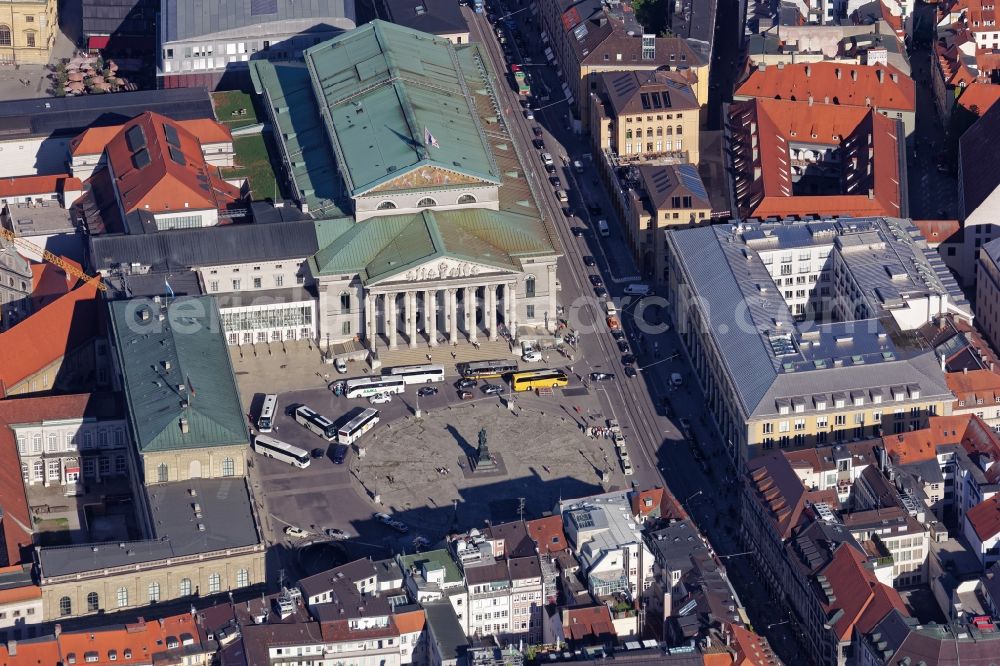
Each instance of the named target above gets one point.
<point>536,379</point>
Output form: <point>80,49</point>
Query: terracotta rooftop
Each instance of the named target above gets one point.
<point>866,177</point>
<point>859,599</point>
<point>50,281</point>
<point>782,493</point>
<point>581,624</point>
<point>94,140</point>
<point>646,503</point>
<point>751,649</point>
<point>548,535</point>
<point>966,430</point>
<point>23,186</point>
<point>158,166</point>
<point>938,231</point>
<point>985,518</point>
<point>36,652</point>
<point>64,324</point>
<point>979,97</point>
<point>410,622</point>
<point>164,640</point>
<point>879,86</point>
<point>976,387</point>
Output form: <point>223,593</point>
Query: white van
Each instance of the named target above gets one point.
<point>638,290</point>
<point>610,309</point>
<point>676,379</point>
<point>546,159</point>
<point>602,227</point>
<point>561,195</point>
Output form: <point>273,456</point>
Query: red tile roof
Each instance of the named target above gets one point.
<point>985,518</point>
<point>50,281</point>
<point>581,624</point>
<point>862,598</point>
<point>782,493</point>
<point>646,502</point>
<point>93,141</point>
<point>979,97</point>
<point>881,86</point>
<point>154,176</point>
<point>411,622</point>
<point>974,386</point>
<point>547,533</point>
<point>869,158</point>
<point>938,231</point>
<point>45,336</point>
<point>966,430</point>
<point>23,186</point>
<point>141,640</point>
<point>37,652</point>
<point>751,649</point>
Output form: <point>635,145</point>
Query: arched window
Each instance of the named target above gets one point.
<point>529,287</point>
<point>154,592</point>
<point>242,578</point>
<point>345,302</point>
<point>38,470</point>
<point>93,602</point>
<point>228,467</point>
<point>426,202</point>
<point>65,607</point>
<point>5,35</point>
<point>36,443</point>
<point>214,583</point>
<point>122,597</point>
<point>680,130</point>
<point>162,474</point>
<point>386,205</point>
<point>53,444</point>
<point>185,588</point>
<point>466,199</point>
<point>670,131</point>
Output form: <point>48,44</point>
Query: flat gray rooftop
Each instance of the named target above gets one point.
<point>226,521</point>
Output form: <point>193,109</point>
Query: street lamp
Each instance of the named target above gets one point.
<point>688,500</point>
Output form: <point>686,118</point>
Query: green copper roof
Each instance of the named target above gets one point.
<point>380,88</point>
<point>177,370</point>
<point>384,246</point>
<point>299,131</point>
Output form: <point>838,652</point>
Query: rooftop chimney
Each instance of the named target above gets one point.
<point>184,425</point>
<point>880,75</point>
<point>808,70</point>
<point>810,100</point>
<point>12,648</point>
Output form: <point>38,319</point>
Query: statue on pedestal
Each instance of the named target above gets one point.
<point>483,458</point>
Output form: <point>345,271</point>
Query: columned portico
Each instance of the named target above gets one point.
<point>453,315</point>
<point>469,305</point>
<point>431,313</point>
<point>392,321</point>
<point>491,311</point>
<point>411,318</point>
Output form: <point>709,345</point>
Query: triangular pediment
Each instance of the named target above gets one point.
<point>425,177</point>
<point>443,268</point>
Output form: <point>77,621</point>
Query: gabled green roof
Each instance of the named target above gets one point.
<point>384,246</point>
<point>177,369</point>
<point>379,88</point>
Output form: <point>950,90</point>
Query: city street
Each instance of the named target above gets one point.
<point>660,452</point>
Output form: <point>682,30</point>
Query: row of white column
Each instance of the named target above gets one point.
<point>450,308</point>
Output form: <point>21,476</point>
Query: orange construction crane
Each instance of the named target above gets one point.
<point>69,268</point>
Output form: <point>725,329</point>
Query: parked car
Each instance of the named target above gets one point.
<point>628,360</point>
<point>630,371</point>
<point>531,356</point>
<point>340,454</point>
<point>550,168</point>
<point>536,130</point>
<point>389,521</point>
<point>578,166</point>
<point>529,114</point>
<point>623,346</point>
<point>341,365</point>
<point>318,452</point>
<point>465,395</point>
<point>546,159</point>
<point>465,383</point>
<point>296,532</point>
<point>555,181</point>
<point>578,231</point>
<point>567,211</point>
<point>596,280</point>
<point>492,389</point>
<point>601,376</point>
<point>538,143</point>
<point>676,379</point>
<point>589,261</point>
<point>617,334</point>
<point>600,292</point>
<point>333,533</point>
<point>427,391</point>
<point>380,398</point>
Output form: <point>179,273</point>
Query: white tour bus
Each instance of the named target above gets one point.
<point>274,448</point>
<point>320,425</point>
<point>365,387</point>
<point>416,374</point>
<point>266,421</point>
<point>359,425</point>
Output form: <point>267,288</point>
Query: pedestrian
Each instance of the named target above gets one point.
<point>429,357</point>
<point>454,356</point>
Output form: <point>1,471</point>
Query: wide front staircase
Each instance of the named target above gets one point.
<point>442,354</point>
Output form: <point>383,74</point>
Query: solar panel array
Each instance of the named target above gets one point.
<point>691,180</point>
<point>135,138</point>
